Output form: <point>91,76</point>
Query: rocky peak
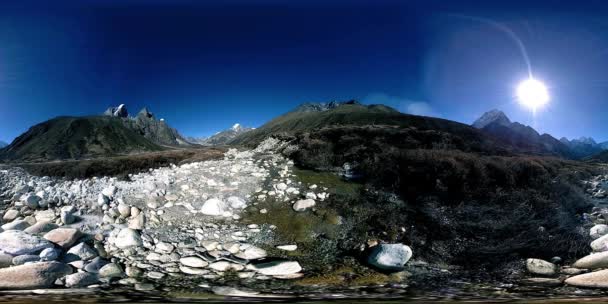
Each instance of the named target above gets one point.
<point>324,106</point>
<point>494,116</point>
<point>120,111</point>
<point>236,127</point>
<point>145,113</point>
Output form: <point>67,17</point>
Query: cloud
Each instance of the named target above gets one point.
<point>404,105</point>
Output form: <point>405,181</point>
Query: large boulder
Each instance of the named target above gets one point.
<point>593,261</point>
<point>540,267</point>
<point>128,237</point>
<point>391,257</point>
<point>598,231</point>
<point>598,279</point>
<point>214,207</point>
<point>16,242</point>
<point>30,276</point>
<point>81,279</point>
<point>252,253</point>
<point>64,237</point>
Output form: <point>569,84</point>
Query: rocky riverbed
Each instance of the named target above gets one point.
<point>168,228</point>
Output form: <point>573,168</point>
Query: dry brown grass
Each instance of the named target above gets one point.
<point>120,166</point>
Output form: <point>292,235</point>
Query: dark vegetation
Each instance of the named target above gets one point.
<point>76,138</point>
<point>452,202</point>
<point>121,166</point>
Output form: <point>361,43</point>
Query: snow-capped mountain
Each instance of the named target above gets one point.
<point>222,137</point>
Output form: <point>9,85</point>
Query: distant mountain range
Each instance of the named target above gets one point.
<point>222,137</point>
<point>112,133</point>
<point>525,138</point>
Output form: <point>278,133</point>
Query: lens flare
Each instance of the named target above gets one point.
<point>532,94</point>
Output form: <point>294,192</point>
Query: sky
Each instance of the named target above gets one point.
<point>203,65</point>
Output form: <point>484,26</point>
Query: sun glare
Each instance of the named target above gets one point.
<point>532,94</point>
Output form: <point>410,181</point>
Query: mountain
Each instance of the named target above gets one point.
<point>157,131</point>
<point>583,147</point>
<point>76,138</point>
<point>523,138</point>
<point>113,133</point>
<point>3,144</point>
<point>222,137</point>
<point>383,122</point>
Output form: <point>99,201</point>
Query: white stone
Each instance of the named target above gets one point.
<point>303,205</point>
<point>214,207</point>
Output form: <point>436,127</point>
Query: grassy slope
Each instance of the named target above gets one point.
<point>76,138</point>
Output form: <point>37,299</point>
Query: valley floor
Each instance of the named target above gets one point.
<point>227,226</point>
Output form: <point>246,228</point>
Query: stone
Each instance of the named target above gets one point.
<point>67,215</point>
<point>138,222</point>
<point>83,252</point>
<point>303,205</point>
<point>237,202</point>
<point>16,242</point>
<point>109,191</point>
<point>127,238</point>
<point>276,268</point>
<point>81,279</point>
<point>288,247</point>
<point>252,253</point>
<point>191,270</point>
<point>540,267</point>
<point>220,266</point>
<point>26,258</point>
<point>40,227</point>
<point>6,260</point>
<point>134,272</point>
<point>124,210</point>
<point>598,279</point>
<point>49,254</point>
<point>598,231</point>
<point>214,207</point>
<point>547,282</point>
<point>16,225</point>
<point>195,262</point>
<point>390,257</point>
<point>593,261</point>
<point>31,201</point>
<point>281,186</point>
<point>10,215</point>
<point>95,265</point>
<point>63,237</point>
<point>600,244</point>
<point>111,270</point>
<point>155,275</point>
<point>45,216</point>
<point>102,200</point>
<point>32,276</point>
<point>163,247</point>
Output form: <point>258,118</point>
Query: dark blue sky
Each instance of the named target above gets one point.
<point>204,66</point>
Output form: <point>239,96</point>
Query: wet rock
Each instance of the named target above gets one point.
<point>64,237</point>
<point>391,257</point>
<point>35,275</point>
<point>540,267</point>
<point>81,279</point>
<point>303,205</point>
<point>593,261</point>
<point>598,279</point>
<point>16,242</point>
<point>277,268</point>
<point>127,238</point>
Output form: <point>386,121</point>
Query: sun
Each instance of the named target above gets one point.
<point>532,94</point>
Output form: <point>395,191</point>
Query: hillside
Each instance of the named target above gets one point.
<point>76,138</point>
<point>307,118</point>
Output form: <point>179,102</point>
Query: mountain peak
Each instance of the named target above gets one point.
<point>323,106</point>
<point>145,113</point>
<point>493,116</point>
<point>120,111</point>
<point>236,127</point>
